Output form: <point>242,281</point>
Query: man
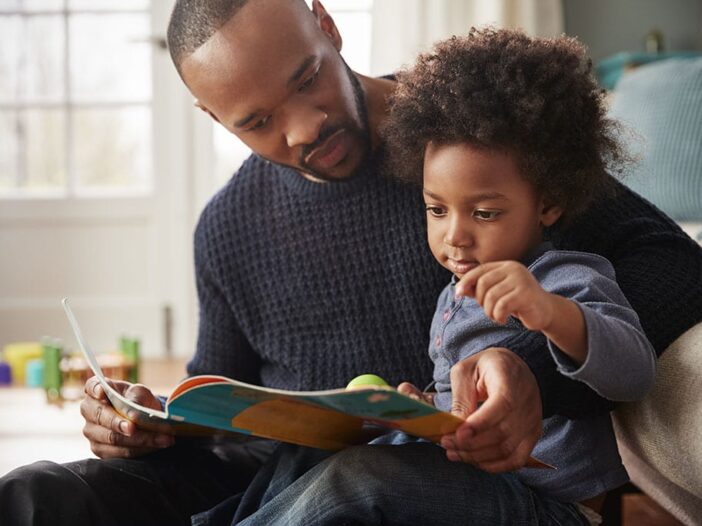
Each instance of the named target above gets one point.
<point>312,268</point>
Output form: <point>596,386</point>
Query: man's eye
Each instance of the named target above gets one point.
<point>486,215</point>
<point>260,123</point>
<point>436,211</point>
<point>309,81</point>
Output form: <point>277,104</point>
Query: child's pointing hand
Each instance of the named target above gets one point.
<point>504,288</point>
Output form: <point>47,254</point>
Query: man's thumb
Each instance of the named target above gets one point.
<point>465,394</point>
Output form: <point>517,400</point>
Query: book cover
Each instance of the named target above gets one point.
<point>332,419</point>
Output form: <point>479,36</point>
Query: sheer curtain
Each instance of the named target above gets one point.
<point>403,28</point>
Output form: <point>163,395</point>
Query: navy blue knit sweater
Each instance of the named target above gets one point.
<point>305,285</point>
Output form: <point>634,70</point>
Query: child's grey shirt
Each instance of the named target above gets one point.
<point>620,365</point>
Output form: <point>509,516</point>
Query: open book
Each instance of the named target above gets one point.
<point>332,419</point>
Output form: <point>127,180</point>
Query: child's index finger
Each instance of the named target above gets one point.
<point>466,285</point>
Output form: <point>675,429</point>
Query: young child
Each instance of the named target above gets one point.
<point>508,136</point>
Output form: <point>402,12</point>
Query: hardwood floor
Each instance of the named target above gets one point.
<point>640,510</point>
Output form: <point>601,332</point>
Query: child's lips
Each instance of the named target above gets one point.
<point>462,266</point>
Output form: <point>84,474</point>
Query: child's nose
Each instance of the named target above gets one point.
<point>458,234</point>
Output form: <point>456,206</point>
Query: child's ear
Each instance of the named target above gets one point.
<point>550,214</point>
<point>326,23</point>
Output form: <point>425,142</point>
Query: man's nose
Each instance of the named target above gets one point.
<point>303,125</point>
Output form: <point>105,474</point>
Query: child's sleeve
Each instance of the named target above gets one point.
<point>621,362</point>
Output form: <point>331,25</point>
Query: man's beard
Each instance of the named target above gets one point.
<point>361,134</point>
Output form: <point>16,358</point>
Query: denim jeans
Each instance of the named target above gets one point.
<point>393,482</point>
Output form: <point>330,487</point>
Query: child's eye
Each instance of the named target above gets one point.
<point>435,211</point>
<point>309,81</point>
<point>486,215</point>
<point>261,123</point>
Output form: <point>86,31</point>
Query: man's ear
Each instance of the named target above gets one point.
<point>198,104</point>
<point>326,23</point>
<point>550,214</point>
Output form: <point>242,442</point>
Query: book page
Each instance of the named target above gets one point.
<point>142,416</point>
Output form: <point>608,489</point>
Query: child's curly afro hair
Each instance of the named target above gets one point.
<point>501,89</point>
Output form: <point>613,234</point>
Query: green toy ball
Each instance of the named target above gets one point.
<point>366,380</point>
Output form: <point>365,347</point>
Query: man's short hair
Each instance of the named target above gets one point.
<point>193,22</point>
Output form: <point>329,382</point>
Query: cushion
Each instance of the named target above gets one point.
<point>659,436</point>
<point>609,70</point>
<point>662,104</point>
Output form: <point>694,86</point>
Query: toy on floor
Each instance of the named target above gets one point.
<point>46,364</point>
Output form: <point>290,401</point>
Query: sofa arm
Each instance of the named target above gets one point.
<point>660,437</point>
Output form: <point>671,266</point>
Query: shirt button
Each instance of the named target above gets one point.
<point>438,341</point>
<point>447,314</point>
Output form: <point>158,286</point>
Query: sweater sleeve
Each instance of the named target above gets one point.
<point>560,395</point>
<point>222,348</point>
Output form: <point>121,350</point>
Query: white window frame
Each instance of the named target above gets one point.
<point>18,201</point>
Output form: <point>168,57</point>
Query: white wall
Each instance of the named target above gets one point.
<point>122,261</point>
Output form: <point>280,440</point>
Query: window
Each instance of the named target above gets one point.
<point>353,18</point>
<point>75,98</point>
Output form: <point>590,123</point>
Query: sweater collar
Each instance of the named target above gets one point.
<point>302,186</point>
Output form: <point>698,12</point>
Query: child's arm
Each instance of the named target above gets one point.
<point>504,288</point>
<point>619,362</point>
<point>567,328</point>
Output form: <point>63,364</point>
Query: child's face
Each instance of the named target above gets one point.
<point>479,207</point>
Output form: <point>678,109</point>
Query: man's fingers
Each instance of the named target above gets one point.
<point>107,442</point>
<point>516,460</point>
<point>500,434</point>
<point>105,425</point>
<point>489,415</point>
<point>143,396</point>
<point>409,389</point>
<point>101,413</point>
<point>489,453</point>
<point>496,459</point>
<point>413,391</point>
<point>93,389</point>
<point>110,434</point>
<point>464,389</point>
<point>105,451</point>
<point>466,437</point>
<point>107,417</point>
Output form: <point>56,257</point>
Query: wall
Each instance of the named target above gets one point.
<point>121,261</point>
<point>610,26</point>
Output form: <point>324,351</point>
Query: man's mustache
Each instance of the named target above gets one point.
<point>324,134</point>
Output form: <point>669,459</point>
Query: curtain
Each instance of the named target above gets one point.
<point>403,28</point>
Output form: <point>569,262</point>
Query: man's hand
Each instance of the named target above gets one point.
<point>413,391</point>
<point>112,436</point>
<point>499,435</point>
